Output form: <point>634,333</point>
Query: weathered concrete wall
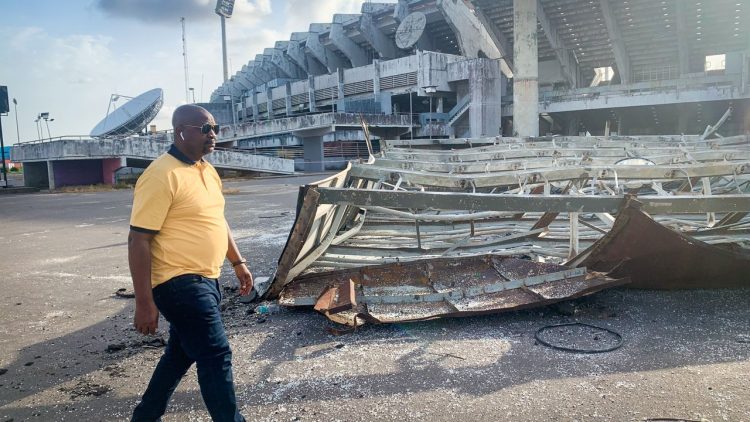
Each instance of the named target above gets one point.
<point>233,160</point>
<point>140,148</point>
<point>289,140</point>
<point>550,72</point>
<point>486,90</point>
<point>222,112</point>
<point>483,81</point>
<point>89,148</point>
<point>328,90</point>
<point>77,172</point>
<point>433,71</point>
<point>399,66</point>
<point>314,158</point>
<point>35,174</point>
<point>275,141</point>
<point>359,74</point>
<point>310,122</point>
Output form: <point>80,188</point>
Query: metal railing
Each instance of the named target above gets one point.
<point>157,136</point>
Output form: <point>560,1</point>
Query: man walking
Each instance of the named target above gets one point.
<point>177,243</point>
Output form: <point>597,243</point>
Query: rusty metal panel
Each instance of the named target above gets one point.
<point>441,287</point>
<point>655,257</point>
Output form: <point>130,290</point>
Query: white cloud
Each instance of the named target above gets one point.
<point>301,13</point>
<point>72,77</point>
<point>247,12</point>
<point>70,70</point>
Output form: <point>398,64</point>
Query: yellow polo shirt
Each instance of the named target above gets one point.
<point>181,202</point>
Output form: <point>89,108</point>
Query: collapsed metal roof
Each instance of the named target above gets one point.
<point>449,227</point>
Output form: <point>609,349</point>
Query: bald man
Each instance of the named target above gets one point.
<point>177,244</point>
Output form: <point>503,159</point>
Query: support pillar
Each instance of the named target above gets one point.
<point>288,99</point>
<point>255,105</point>
<point>313,153</point>
<point>51,175</point>
<point>311,93</point>
<point>526,75</point>
<point>376,79</point>
<point>485,91</point>
<point>341,107</point>
<point>269,103</point>
<point>109,167</point>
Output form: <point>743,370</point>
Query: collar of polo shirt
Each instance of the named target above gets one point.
<point>176,153</point>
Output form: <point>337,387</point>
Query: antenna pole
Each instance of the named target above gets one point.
<point>184,56</point>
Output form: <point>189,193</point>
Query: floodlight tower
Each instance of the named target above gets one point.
<point>185,59</point>
<point>224,9</point>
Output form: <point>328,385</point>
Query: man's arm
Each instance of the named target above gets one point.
<point>139,258</point>
<point>240,268</point>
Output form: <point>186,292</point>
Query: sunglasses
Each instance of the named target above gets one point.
<point>207,127</point>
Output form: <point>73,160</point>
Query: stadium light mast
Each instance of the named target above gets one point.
<point>185,59</point>
<point>224,9</point>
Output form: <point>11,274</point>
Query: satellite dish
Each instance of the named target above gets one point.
<point>132,116</point>
<point>410,30</point>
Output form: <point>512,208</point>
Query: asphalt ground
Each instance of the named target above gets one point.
<point>68,350</point>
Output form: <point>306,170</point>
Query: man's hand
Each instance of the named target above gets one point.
<point>146,319</point>
<point>245,278</point>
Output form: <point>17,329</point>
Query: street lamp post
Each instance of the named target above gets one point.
<point>38,130</point>
<point>2,154</point>
<point>192,91</point>
<point>43,116</point>
<point>46,121</point>
<point>18,134</point>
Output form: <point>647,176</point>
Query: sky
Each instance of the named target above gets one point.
<point>68,57</point>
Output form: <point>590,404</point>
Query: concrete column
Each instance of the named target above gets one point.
<point>376,79</point>
<point>51,175</point>
<point>341,106</point>
<point>311,93</point>
<point>288,99</point>
<point>313,153</point>
<point>269,103</point>
<point>526,75</point>
<point>109,167</point>
<point>255,106</point>
<point>485,91</point>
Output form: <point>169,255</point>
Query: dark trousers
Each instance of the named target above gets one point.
<point>196,334</point>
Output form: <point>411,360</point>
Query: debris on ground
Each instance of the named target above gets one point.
<point>419,230</point>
